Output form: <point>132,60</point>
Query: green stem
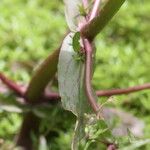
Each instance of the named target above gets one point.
<point>91,29</point>
<point>36,88</point>
<point>42,76</point>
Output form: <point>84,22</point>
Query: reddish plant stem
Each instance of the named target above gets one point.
<point>85,3</point>
<point>12,85</point>
<point>55,96</point>
<point>30,125</point>
<point>89,61</point>
<point>88,75</point>
<point>108,93</point>
<point>123,91</point>
<point>95,9</point>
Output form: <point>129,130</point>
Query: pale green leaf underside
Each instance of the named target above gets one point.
<point>71,86</point>
<point>72,13</point>
<point>71,78</point>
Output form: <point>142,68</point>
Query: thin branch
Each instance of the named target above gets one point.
<point>12,85</point>
<point>106,93</point>
<point>123,91</point>
<point>88,75</point>
<point>55,96</point>
<point>95,9</point>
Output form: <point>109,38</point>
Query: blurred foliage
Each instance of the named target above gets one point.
<point>31,29</point>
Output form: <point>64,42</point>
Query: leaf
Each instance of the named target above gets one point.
<point>71,86</point>
<point>105,15</point>
<point>97,129</point>
<point>71,78</point>
<point>76,42</point>
<point>72,92</point>
<point>72,13</point>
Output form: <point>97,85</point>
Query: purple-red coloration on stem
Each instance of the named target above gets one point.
<point>12,85</point>
<point>95,9</point>
<point>123,91</point>
<point>88,75</point>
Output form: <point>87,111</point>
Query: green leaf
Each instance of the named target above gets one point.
<point>71,78</point>
<point>97,129</point>
<point>72,92</point>
<point>72,13</point>
<point>105,15</point>
<point>71,86</point>
<point>76,42</point>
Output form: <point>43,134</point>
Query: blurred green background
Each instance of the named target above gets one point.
<point>31,29</point>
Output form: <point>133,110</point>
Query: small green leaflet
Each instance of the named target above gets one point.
<point>76,42</point>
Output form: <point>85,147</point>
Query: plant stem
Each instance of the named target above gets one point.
<point>88,75</point>
<point>95,9</point>
<point>42,76</point>
<point>12,85</point>
<point>123,91</point>
<point>106,93</point>
<point>92,28</point>
<point>54,96</point>
<point>30,125</point>
<point>33,94</point>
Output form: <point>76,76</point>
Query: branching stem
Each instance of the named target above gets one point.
<point>55,96</point>
<point>108,93</point>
